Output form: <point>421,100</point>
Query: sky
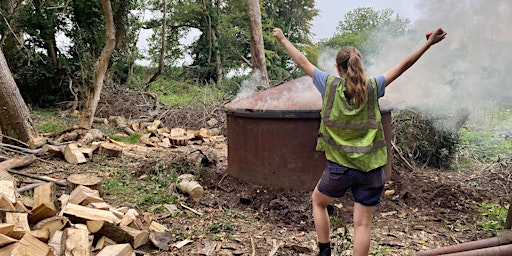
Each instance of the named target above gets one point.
<point>331,12</point>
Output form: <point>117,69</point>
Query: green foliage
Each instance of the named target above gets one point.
<point>425,139</point>
<point>134,138</point>
<point>492,217</point>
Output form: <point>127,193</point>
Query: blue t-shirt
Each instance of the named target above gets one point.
<point>320,81</point>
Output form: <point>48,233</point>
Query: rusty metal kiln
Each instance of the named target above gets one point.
<point>272,136</point>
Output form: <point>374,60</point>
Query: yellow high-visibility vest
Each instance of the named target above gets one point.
<point>351,136</point>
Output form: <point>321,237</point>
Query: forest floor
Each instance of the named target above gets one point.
<point>423,209</point>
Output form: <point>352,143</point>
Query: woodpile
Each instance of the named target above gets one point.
<point>78,223</point>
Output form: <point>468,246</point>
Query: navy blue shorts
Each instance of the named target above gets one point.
<point>366,187</point>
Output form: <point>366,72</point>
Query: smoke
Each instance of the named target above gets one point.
<point>468,70</point>
<point>250,86</point>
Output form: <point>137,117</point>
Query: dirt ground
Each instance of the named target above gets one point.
<point>423,208</point>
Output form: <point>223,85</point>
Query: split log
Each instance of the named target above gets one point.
<point>73,155</point>
<point>130,216</point>
<point>5,240</point>
<point>76,241</point>
<point>82,214</point>
<point>6,204</point>
<point>82,193</point>
<point>55,242</point>
<point>119,234</point>
<point>20,221</point>
<point>103,242</point>
<point>121,124</point>
<point>44,203</point>
<point>27,246</point>
<point>20,207</point>
<point>110,149</point>
<point>86,180</point>
<point>6,228</point>
<point>188,185</point>
<point>52,224</point>
<point>117,250</point>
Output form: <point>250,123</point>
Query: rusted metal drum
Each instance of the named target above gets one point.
<point>272,136</point>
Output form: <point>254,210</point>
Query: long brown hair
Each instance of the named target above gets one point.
<point>350,60</point>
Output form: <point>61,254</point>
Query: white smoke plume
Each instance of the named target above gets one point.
<point>468,70</point>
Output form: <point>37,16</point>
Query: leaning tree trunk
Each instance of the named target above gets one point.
<point>162,50</point>
<point>257,48</point>
<point>100,68</point>
<point>15,120</point>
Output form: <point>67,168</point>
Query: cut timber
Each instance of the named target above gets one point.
<point>102,242</point>
<point>55,243</point>
<point>27,246</point>
<point>44,203</point>
<point>87,180</point>
<point>19,220</point>
<point>73,155</point>
<point>188,185</point>
<point>117,250</point>
<point>17,162</point>
<point>5,240</point>
<point>155,226</point>
<point>110,149</point>
<point>101,205</point>
<point>119,234</point>
<point>41,235</point>
<point>53,224</point>
<point>82,193</point>
<point>130,216</point>
<point>82,214</point>
<point>43,178</point>
<point>6,228</point>
<point>8,188</point>
<point>6,204</point>
<point>88,152</point>
<point>53,149</point>
<point>76,242</point>
<point>20,207</point>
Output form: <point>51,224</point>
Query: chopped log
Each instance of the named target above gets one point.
<point>110,149</point>
<point>76,241</point>
<point>73,155</point>
<point>160,239</point>
<point>55,242</point>
<point>19,220</point>
<point>203,134</point>
<point>27,246</point>
<point>119,234</point>
<point>100,205</point>
<point>82,193</point>
<point>117,250</point>
<point>87,180</point>
<point>100,120</point>
<point>52,224</point>
<point>188,185</point>
<point>102,242</point>
<point>155,226</point>
<point>41,235</point>
<point>20,207</point>
<point>82,214</point>
<point>135,126</point>
<point>5,240</point>
<point>89,151</point>
<point>43,178</point>
<point>6,204</point>
<point>6,228</point>
<point>44,203</point>
<point>130,216</point>
<point>28,202</point>
<point>139,237</point>
<point>8,186</point>
<point>154,126</point>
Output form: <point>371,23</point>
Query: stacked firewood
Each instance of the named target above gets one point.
<point>78,223</point>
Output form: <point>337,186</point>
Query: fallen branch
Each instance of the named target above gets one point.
<point>29,187</point>
<point>399,152</point>
<point>61,183</point>
<point>20,149</point>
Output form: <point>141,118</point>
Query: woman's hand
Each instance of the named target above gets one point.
<point>278,34</point>
<point>437,36</point>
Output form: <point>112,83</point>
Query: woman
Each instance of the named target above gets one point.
<point>351,135</point>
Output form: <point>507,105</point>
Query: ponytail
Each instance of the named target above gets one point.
<point>350,60</point>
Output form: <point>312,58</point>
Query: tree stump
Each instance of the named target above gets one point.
<point>87,180</point>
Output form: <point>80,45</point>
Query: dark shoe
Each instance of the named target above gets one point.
<point>325,252</point>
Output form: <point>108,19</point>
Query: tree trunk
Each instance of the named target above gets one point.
<point>100,69</point>
<point>162,50</point>
<point>15,120</point>
<point>257,48</point>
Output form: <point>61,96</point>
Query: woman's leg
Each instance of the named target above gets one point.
<point>362,229</point>
<point>320,215</point>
